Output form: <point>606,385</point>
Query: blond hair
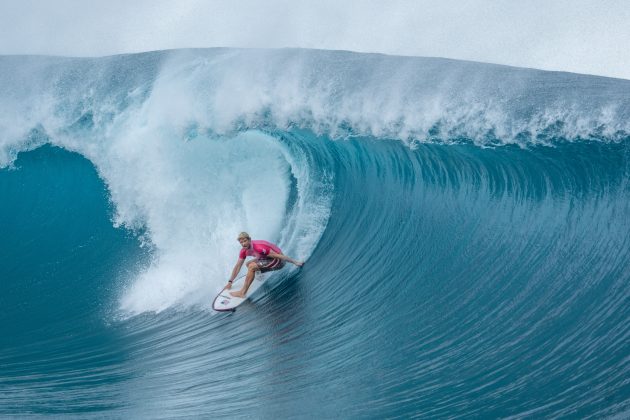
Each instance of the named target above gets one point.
<point>243,235</point>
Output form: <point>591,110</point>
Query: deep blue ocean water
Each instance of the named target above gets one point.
<point>465,226</point>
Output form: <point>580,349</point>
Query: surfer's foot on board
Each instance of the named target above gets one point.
<point>239,294</point>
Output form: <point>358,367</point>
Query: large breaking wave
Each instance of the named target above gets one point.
<point>465,227</point>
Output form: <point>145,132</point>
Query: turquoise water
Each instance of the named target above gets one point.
<point>467,258</point>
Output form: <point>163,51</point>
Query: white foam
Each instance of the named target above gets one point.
<point>393,97</point>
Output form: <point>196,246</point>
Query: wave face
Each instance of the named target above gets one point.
<point>465,228</point>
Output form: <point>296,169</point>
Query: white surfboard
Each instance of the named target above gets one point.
<point>225,302</point>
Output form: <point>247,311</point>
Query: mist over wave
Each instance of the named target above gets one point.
<point>465,228</point>
<point>338,93</point>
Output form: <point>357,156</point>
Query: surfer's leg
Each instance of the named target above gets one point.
<point>252,267</point>
<point>251,272</point>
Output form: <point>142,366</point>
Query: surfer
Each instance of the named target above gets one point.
<point>268,257</point>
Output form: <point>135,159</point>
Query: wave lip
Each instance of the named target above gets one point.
<point>335,93</point>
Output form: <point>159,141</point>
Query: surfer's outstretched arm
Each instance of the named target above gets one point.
<point>235,271</point>
<point>286,258</point>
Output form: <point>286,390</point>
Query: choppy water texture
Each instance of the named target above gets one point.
<point>466,230</point>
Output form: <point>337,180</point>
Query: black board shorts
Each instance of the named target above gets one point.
<point>269,264</point>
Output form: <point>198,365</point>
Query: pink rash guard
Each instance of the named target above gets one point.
<point>259,250</point>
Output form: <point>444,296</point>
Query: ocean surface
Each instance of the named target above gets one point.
<point>465,227</point>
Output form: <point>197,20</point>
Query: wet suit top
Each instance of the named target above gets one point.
<point>259,250</point>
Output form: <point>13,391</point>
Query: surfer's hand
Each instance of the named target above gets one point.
<point>299,263</point>
<point>228,285</point>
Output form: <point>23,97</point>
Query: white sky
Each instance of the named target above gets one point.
<point>583,36</point>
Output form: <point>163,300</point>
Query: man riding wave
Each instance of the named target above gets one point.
<point>268,257</point>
